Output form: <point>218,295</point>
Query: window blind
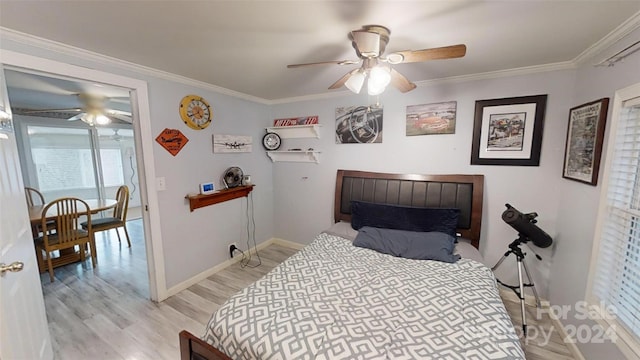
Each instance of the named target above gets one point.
<point>616,281</point>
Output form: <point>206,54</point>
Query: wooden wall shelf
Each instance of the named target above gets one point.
<point>198,201</point>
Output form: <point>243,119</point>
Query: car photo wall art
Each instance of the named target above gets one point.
<point>358,125</point>
<point>429,119</point>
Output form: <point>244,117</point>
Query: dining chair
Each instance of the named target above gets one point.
<point>119,218</point>
<point>34,197</point>
<point>69,233</point>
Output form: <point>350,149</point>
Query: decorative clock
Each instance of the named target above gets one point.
<point>271,141</point>
<point>195,112</point>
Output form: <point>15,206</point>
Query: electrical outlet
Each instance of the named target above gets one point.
<point>232,247</point>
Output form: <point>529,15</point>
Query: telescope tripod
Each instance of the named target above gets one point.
<point>514,248</point>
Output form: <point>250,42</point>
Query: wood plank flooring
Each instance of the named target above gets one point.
<point>104,313</point>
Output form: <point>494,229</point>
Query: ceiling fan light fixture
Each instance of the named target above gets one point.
<point>89,119</point>
<point>379,78</point>
<point>355,82</point>
<point>95,118</point>
<point>101,119</point>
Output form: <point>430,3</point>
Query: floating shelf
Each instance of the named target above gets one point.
<point>296,131</point>
<point>295,156</point>
<point>198,201</point>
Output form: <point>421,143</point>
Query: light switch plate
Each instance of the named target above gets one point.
<point>161,185</point>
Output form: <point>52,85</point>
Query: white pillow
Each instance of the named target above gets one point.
<point>467,251</point>
<point>342,229</point>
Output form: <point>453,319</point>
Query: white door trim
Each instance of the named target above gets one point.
<point>144,137</point>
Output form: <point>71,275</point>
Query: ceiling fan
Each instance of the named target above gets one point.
<point>94,111</point>
<point>113,137</point>
<point>370,42</point>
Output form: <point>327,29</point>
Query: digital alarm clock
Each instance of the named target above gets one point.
<point>207,188</point>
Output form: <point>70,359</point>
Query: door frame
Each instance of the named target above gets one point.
<point>139,97</point>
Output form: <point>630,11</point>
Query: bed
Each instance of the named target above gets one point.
<point>334,300</point>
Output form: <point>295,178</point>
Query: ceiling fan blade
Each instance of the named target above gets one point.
<point>117,112</point>
<point>43,111</point>
<point>410,56</point>
<point>400,82</point>
<point>77,117</point>
<point>338,84</point>
<point>121,117</point>
<point>337,62</point>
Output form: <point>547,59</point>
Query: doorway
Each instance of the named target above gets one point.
<point>143,148</point>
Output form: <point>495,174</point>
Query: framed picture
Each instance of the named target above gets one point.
<point>427,119</point>
<point>585,133</point>
<point>508,131</point>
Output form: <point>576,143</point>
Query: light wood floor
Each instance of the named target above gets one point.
<point>105,313</point>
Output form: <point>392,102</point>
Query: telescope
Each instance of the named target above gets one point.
<point>525,225</point>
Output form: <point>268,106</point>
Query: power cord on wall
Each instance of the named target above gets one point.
<point>251,236</point>
<point>133,174</point>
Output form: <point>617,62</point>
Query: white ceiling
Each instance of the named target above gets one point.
<point>245,46</point>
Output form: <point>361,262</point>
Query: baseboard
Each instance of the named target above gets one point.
<point>287,243</point>
<point>205,274</point>
<point>572,345</point>
<point>530,300</point>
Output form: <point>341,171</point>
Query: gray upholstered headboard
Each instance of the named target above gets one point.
<point>450,191</point>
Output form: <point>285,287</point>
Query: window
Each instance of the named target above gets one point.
<point>64,160</point>
<point>63,168</point>
<point>615,273</point>
<point>112,173</point>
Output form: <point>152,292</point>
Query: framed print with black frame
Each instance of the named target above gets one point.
<point>508,131</point>
<point>585,134</point>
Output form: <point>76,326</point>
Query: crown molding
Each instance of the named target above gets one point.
<point>609,40</point>
<point>312,97</point>
<point>527,70</point>
<point>69,50</point>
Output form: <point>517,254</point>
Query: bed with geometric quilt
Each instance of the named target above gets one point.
<point>335,300</point>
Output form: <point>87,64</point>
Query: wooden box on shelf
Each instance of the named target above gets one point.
<point>199,200</point>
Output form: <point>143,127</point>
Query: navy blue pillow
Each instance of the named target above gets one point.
<point>408,244</point>
<point>401,217</point>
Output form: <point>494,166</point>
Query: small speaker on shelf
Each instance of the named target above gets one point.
<point>246,180</point>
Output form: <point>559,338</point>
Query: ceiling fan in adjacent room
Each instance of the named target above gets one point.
<point>370,42</point>
<point>114,136</point>
<point>93,111</point>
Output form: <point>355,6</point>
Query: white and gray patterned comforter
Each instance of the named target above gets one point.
<point>336,301</point>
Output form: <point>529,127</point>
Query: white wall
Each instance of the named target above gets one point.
<point>201,237</point>
<point>578,205</point>
<point>304,192</point>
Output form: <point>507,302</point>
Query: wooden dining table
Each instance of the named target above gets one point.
<point>95,206</point>
<point>67,256</point>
